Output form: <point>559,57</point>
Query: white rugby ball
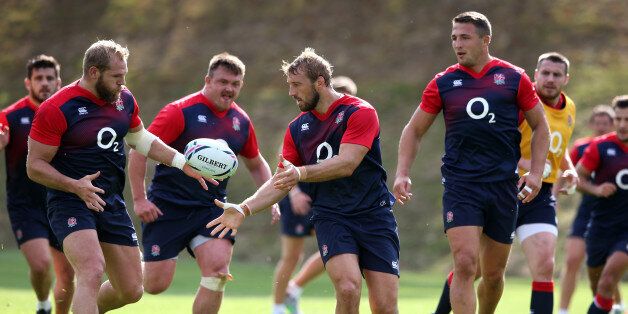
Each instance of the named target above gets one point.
<point>212,158</point>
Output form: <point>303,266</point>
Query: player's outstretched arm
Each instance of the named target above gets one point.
<point>39,169</point>
<point>152,147</point>
<point>234,214</point>
<point>409,144</point>
<point>530,183</point>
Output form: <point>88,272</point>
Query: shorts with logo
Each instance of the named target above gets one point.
<point>32,223</point>
<point>542,209</point>
<point>372,237</point>
<point>294,225</point>
<point>603,244</point>
<point>172,232</point>
<point>113,225</point>
<point>583,216</point>
<point>490,205</point>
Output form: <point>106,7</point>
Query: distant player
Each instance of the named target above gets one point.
<point>334,146</point>
<point>177,209</point>
<point>600,122</point>
<point>26,200</point>
<point>76,149</point>
<point>607,236</point>
<point>296,224</point>
<point>480,97</point>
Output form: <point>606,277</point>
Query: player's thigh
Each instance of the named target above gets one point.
<point>213,256</point>
<point>493,257</point>
<point>159,273</point>
<point>464,241</point>
<point>37,253</point>
<point>344,267</point>
<point>539,250</point>
<point>383,287</point>
<point>291,247</point>
<point>575,249</point>
<point>615,266</point>
<point>124,267</point>
<point>62,267</point>
<point>84,252</point>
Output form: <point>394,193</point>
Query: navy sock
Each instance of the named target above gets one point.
<point>542,300</point>
<point>444,305</point>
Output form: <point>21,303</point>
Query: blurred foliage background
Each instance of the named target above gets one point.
<point>390,48</point>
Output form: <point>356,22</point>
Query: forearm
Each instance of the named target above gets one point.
<point>264,197</point>
<point>45,174</point>
<point>540,147</point>
<point>333,168</point>
<point>137,174</point>
<point>261,173</point>
<point>586,186</point>
<point>161,152</point>
<point>566,163</point>
<point>409,144</point>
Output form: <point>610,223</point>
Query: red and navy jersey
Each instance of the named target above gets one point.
<point>187,119</point>
<point>481,119</point>
<point>607,156</point>
<point>22,192</point>
<point>312,138</point>
<point>579,146</point>
<point>89,134</point>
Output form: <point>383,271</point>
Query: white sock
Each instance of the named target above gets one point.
<point>294,289</point>
<point>619,306</point>
<point>44,305</point>
<point>279,308</point>
<point>563,311</point>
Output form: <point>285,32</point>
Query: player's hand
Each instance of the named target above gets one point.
<point>605,189</point>
<point>300,202</point>
<point>230,220</point>
<point>570,181</point>
<point>275,214</point>
<point>196,175</point>
<point>288,178</point>
<point>4,135</point>
<point>84,189</point>
<point>529,186</point>
<point>146,210</point>
<point>401,189</point>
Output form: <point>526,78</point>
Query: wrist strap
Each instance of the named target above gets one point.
<point>246,210</point>
<point>178,161</point>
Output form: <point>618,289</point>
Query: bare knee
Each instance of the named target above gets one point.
<point>606,285</point>
<point>544,269</point>
<point>384,306</point>
<point>465,266</point>
<point>132,294</point>
<point>91,273</point>
<point>155,285</point>
<point>348,288</point>
<point>493,279</point>
<point>40,266</point>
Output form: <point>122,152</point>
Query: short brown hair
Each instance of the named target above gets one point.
<point>228,61</point>
<point>481,22</point>
<point>554,57</point>
<point>311,64</point>
<point>620,101</point>
<point>42,62</point>
<point>99,55</point>
<point>602,111</point>
<point>344,84</point>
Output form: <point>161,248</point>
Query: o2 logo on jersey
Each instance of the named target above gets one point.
<point>556,141</point>
<point>324,148</point>
<point>485,109</point>
<point>111,142</point>
<point>619,179</point>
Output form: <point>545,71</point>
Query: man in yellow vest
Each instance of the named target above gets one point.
<point>536,223</point>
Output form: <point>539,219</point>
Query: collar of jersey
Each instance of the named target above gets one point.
<point>30,104</point>
<point>562,103</point>
<point>212,106</point>
<point>80,91</point>
<point>613,138</point>
<point>330,110</point>
<point>485,69</point>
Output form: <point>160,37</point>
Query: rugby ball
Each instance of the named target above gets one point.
<point>212,158</point>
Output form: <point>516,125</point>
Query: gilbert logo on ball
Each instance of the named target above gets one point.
<point>212,158</point>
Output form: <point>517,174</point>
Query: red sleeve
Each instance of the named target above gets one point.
<point>168,123</point>
<point>250,149</point>
<point>135,118</point>
<point>430,101</point>
<point>49,125</point>
<point>526,96</point>
<point>573,154</point>
<point>289,150</point>
<point>3,120</point>
<point>362,128</point>
<point>590,159</point>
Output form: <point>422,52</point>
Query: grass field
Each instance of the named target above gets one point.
<point>250,292</point>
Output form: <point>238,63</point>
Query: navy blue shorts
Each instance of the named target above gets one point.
<point>599,248</point>
<point>112,225</point>
<point>294,225</point>
<point>583,216</point>
<point>372,237</point>
<point>490,205</point>
<point>172,232</point>
<point>28,224</point>
<point>542,209</point>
